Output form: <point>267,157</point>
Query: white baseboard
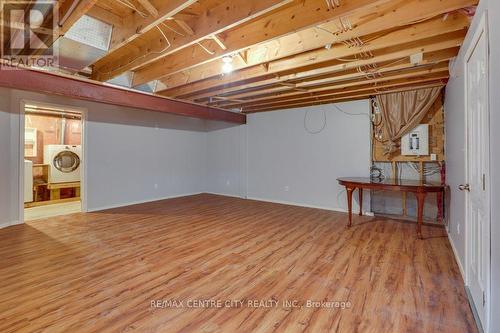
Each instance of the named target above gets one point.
<point>457,258</point>
<point>300,204</point>
<point>284,202</point>
<point>130,203</point>
<point>9,224</point>
<point>226,195</point>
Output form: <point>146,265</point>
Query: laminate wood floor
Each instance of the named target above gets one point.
<point>185,264</point>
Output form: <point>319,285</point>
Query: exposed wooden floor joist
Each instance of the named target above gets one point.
<point>277,49</point>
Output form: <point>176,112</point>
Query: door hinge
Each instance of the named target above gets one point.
<point>484,182</point>
<point>484,298</point>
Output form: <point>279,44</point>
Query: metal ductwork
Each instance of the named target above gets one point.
<point>87,41</point>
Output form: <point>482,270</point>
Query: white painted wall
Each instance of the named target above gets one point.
<point>287,164</point>
<point>226,160</point>
<point>455,143</point>
<point>6,214</point>
<point>128,152</point>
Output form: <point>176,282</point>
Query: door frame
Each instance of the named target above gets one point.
<point>481,30</point>
<point>83,165</point>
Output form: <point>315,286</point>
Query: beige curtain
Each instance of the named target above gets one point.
<point>403,111</point>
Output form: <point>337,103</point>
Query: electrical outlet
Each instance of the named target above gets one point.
<point>434,157</point>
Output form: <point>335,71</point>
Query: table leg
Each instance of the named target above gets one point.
<point>440,206</point>
<point>420,201</point>
<point>349,191</point>
<point>360,196</point>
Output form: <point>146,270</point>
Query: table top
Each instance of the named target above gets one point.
<point>390,182</point>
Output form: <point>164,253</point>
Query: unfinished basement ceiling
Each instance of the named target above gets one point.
<point>261,55</point>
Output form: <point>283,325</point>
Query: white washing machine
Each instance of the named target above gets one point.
<point>64,162</point>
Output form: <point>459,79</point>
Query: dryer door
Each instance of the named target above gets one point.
<point>66,161</point>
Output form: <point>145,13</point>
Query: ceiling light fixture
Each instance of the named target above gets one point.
<point>227,67</point>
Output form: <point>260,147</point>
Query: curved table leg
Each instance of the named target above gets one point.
<point>349,191</point>
<point>420,201</point>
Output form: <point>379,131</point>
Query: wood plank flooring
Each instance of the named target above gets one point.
<point>100,272</point>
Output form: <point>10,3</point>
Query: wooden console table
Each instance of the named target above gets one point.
<point>420,189</point>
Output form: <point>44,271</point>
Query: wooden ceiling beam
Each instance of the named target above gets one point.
<point>332,85</point>
<point>185,27</point>
<point>377,69</point>
<point>71,11</point>
<point>414,35</point>
<point>106,16</point>
<point>393,14</point>
<point>357,91</point>
<point>149,7</point>
<point>153,45</point>
<point>300,15</point>
<point>434,53</point>
<point>135,25</point>
<point>433,73</point>
<point>338,99</point>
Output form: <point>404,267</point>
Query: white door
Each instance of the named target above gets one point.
<point>477,183</point>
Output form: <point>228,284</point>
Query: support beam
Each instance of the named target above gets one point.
<point>136,25</point>
<point>307,89</point>
<point>52,84</point>
<point>373,21</point>
<point>367,89</point>
<point>300,15</point>
<point>305,82</point>
<point>150,47</point>
<point>363,95</point>
<point>411,39</point>
<point>438,72</point>
<point>336,72</point>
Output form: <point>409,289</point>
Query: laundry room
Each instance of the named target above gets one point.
<point>52,161</point>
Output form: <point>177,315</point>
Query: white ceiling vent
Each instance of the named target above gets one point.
<point>90,31</point>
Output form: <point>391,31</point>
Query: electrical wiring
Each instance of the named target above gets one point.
<point>347,60</point>
<point>428,169</point>
<point>130,5</point>
<point>376,173</point>
<point>173,30</point>
<point>144,55</point>
<point>326,30</point>
<point>155,52</point>
<point>349,113</point>
<point>205,49</point>
<point>323,126</point>
<point>332,3</point>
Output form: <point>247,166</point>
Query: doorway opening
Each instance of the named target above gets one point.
<point>53,159</point>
